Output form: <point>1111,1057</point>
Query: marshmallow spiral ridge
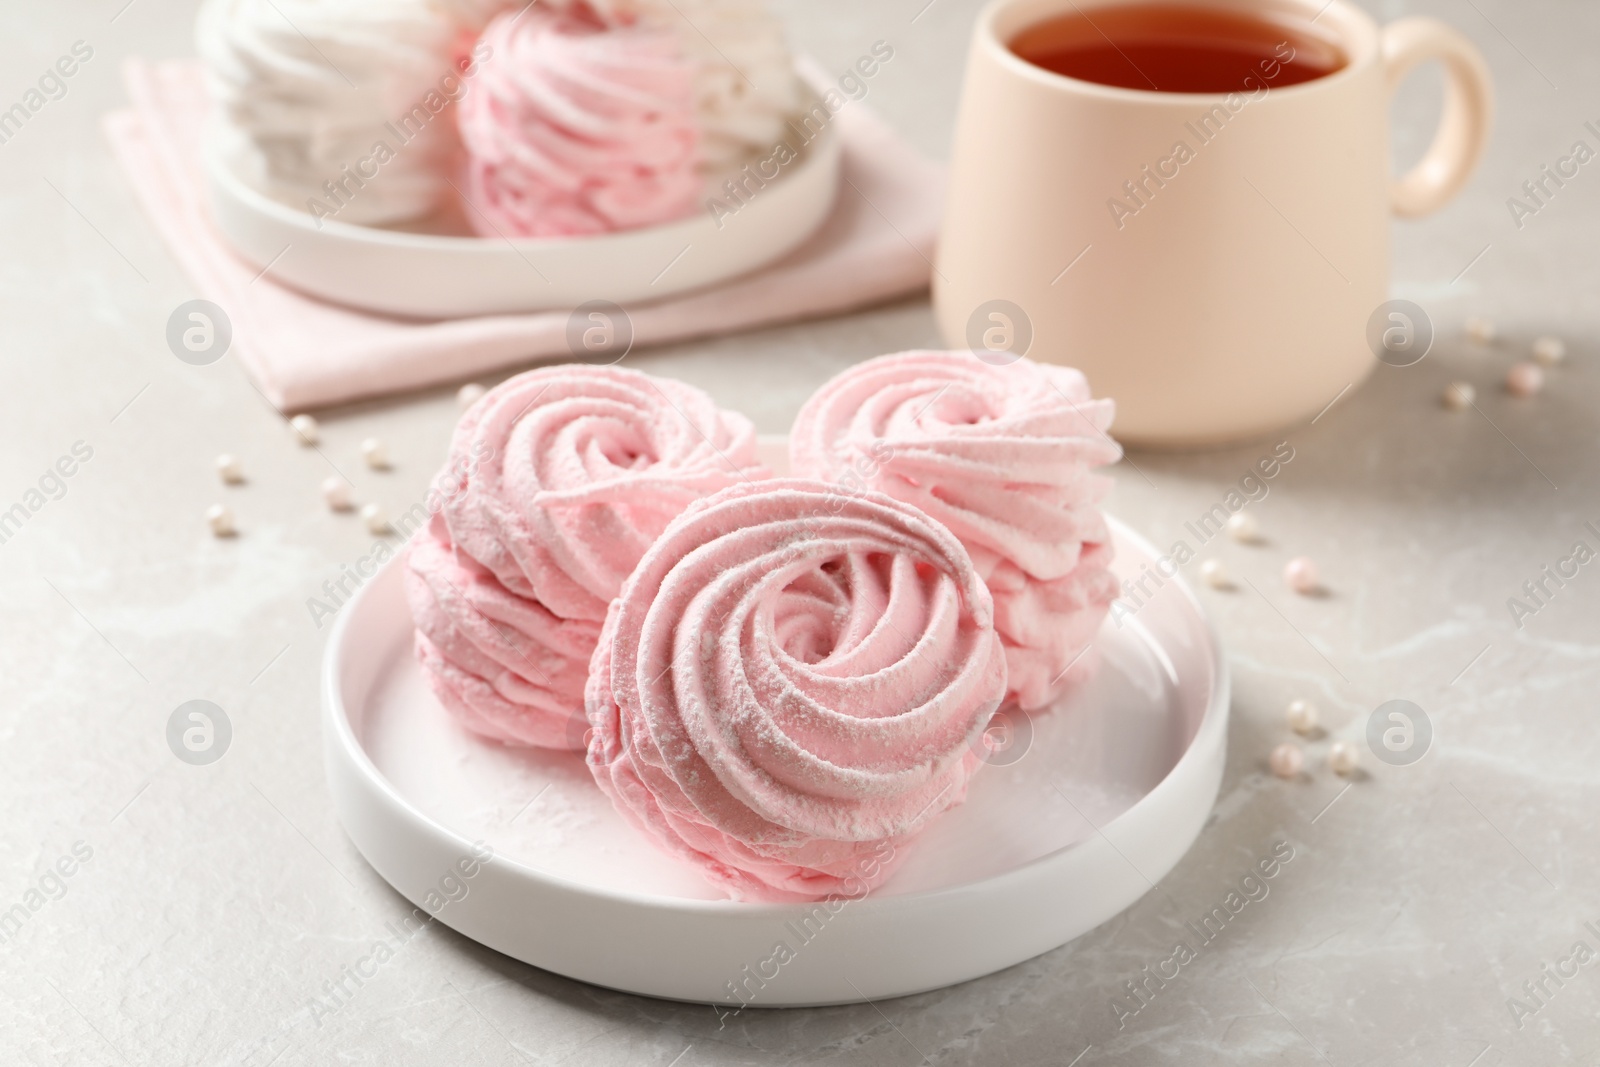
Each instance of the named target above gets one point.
<point>790,680</point>
<point>558,481</point>
<point>1004,456</point>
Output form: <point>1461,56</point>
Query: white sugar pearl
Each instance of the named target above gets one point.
<point>468,394</point>
<point>1214,573</point>
<point>1458,396</point>
<point>1302,716</point>
<point>1243,527</point>
<point>229,469</point>
<point>1549,350</point>
<point>377,522</point>
<point>1480,329</point>
<point>336,491</point>
<point>1286,760</point>
<point>1524,379</point>
<point>220,519</point>
<point>376,455</point>
<point>1300,574</point>
<point>305,429</point>
<point>1342,758</point>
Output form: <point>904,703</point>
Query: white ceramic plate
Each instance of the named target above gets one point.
<point>425,275</point>
<point>1112,791</point>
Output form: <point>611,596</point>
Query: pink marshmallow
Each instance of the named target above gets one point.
<point>575,127</point>
<point>1003,456</point>
<point>792,684</point>
<point>558,481</point>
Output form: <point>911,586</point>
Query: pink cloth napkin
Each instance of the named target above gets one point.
<point>304,353</point>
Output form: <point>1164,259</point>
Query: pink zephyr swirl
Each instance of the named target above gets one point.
<point>1003,456</point>
<point>557,482</point>
<point>579,128</point>
<point>790,679</point>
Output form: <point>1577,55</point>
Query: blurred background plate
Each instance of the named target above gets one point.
<point>443,275</point>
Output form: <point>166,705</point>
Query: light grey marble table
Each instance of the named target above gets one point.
<point>207,906</point>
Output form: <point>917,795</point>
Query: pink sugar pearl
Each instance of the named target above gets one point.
<point>1300,574</point>
<point>1524,379</point>
<point>1286,760</point>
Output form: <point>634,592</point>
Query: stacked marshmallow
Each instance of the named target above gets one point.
<point>791,685</point>
<point>1003,456</point>
<point>782,680</point>
<point>559,480</point>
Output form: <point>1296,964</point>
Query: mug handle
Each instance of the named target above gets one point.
<point>1468,111</point>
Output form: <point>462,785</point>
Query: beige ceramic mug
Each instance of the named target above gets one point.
<point>1232,290</point>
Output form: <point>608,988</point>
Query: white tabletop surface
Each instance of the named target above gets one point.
<point>216,901</point>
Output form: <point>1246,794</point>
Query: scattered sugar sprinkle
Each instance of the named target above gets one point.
<point>220,519</point>
<point>1458,396</point>
<point>229,469</point>
<point>305,429</point>
<point>1548,351</point>
<point>1524,379</point>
